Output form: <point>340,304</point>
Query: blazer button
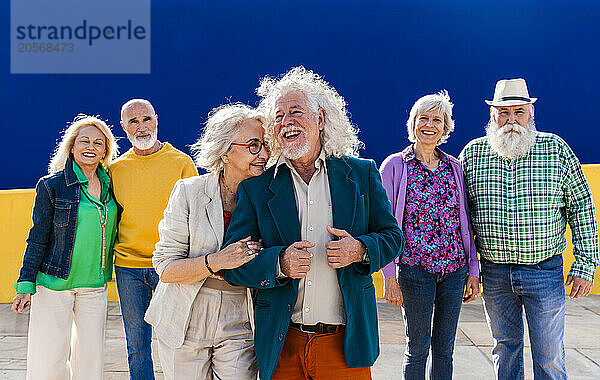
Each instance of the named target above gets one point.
<point>289,307</point>
<point>280,336</point>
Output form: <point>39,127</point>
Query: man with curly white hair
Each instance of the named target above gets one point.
<point>326,226</point>
<point>523,187</point>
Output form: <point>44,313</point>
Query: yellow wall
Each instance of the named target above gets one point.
<point>15,221</point>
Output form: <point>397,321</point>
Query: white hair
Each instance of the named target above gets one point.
<point>135,101</point>
<point>63,149</point>
<point>339,136</point>
<point>220,130</point>
<point>439,101</point>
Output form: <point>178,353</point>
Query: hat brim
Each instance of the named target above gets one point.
<point>508,103</point>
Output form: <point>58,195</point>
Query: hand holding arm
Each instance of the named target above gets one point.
<point>193,269</point>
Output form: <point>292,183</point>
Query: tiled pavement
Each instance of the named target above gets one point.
<point>472,359</point>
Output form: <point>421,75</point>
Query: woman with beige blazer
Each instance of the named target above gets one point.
<point>204,325</point>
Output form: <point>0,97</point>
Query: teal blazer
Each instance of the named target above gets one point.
<point>266,209</point>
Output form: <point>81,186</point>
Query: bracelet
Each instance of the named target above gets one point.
<point>208,266</point>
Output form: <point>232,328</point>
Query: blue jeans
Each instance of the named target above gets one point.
<point>428,297</point>
<point>508,289</point>
<point>135,287</point>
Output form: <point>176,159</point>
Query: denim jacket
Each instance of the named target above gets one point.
<point>50,241</point>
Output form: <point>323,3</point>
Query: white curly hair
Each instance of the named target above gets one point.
<point>441,101</point>
<point>219,132</point>
<point>339,136</point>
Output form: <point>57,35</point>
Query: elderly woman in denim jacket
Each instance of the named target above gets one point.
<point>203,324</point>
<point>438,267</point>
<point>68,259</point>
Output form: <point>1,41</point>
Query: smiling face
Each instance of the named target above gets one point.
<point>297,128</point>
<point>89,147</point>
<point>239,162</point>
<point>140,122</point>
<point>429,127</point>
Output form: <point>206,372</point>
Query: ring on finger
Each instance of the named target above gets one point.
<point>250,252</point>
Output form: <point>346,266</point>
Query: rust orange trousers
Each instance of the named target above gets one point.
<point>316,357</point>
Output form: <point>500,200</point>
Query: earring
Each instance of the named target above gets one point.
<point>225,159</point>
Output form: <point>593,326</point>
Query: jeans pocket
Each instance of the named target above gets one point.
<point>553,263</point>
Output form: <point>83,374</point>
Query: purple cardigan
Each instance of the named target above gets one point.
<point>393,175</point>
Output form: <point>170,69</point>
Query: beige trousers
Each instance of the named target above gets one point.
<point>66,334</point>
<point>218,343</point>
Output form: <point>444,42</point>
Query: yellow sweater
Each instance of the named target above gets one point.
<point>142,185</point>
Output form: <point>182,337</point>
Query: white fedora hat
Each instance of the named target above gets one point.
<point>511,92</point>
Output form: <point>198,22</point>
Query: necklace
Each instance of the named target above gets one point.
<point>103,220</point>
<point>226,203</point>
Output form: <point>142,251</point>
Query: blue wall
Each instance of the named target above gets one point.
<point>380,55</point>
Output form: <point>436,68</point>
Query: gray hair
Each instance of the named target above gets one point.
<point>219,132</point>
<point>441,101</point>
<point>339,136</point>
<point>63,150</point>
<point>135,101</point>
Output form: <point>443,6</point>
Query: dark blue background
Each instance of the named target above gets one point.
<point>380,55</point>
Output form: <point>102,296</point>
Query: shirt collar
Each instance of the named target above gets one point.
<point>319,163</point>
<point>408,154</point>
<point>102,175</point>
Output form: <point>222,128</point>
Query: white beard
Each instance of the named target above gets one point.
<point>511,145</point>
<point>143,143</point>
<point>292,151</point>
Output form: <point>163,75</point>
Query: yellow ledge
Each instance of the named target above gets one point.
<point>15,221</point>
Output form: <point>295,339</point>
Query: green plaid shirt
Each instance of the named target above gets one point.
<point>520,208</point>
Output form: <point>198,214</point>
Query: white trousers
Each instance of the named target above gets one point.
<point>219,342</point>
<point>66,334</point>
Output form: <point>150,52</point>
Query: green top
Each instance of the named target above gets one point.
<point>86,261</point>
<point>520,208</point>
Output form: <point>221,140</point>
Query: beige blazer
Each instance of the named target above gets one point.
<point>192,226</point>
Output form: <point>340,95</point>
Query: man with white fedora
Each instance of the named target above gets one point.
<point>523,187</point>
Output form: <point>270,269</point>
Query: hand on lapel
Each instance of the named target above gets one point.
<point>295,260</point>
<point>344,251</point>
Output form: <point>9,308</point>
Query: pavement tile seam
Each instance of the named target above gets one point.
<point>587,357</point>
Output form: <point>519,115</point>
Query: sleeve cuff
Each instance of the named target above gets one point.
<point>25,287</point>
<point>582,271</point>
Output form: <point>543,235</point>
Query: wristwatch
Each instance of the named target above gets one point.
<point>365,258</point>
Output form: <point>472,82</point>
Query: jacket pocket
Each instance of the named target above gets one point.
<point>61,215</point>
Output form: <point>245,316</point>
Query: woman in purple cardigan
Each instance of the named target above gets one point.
<point>438,267</point>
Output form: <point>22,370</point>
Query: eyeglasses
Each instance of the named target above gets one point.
<point>254,146</point>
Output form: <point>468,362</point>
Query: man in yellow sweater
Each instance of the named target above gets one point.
<point>143,178</point>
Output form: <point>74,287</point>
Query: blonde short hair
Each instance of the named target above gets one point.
<point>219,132</point>
<point>63,150</point>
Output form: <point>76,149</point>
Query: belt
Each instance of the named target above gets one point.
<point>217,284</point>
<point>319,328</point>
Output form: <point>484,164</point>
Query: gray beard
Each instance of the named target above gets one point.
<point>511,145</point>
<point>292,152</point>
<point>143,143</point>
<point>295,152</point>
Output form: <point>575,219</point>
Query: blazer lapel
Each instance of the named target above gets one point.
<point>283,206</point>
<point>343,193</point>
<point>214,208</point>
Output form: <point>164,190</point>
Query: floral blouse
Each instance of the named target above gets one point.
<point>431,218</point>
